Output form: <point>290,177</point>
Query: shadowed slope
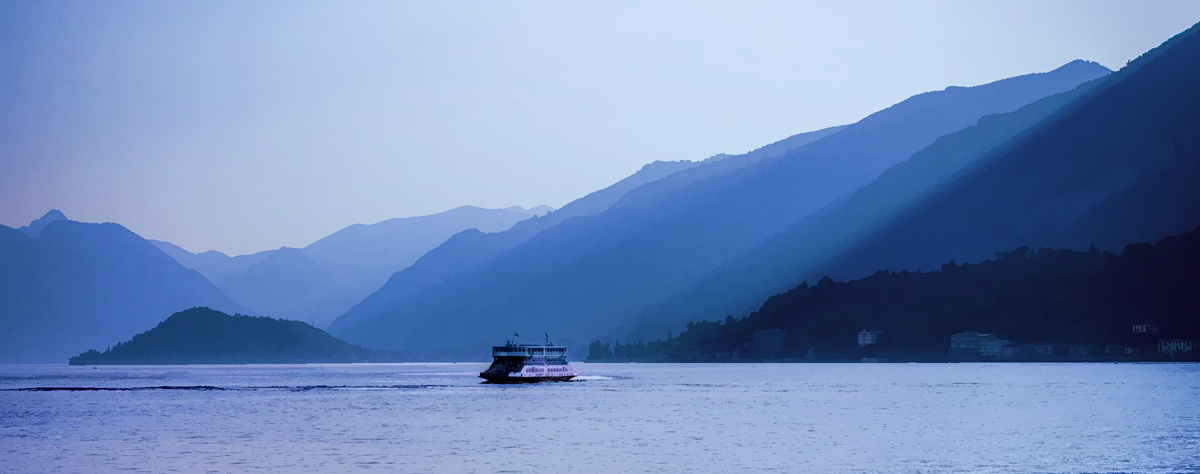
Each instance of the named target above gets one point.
<point>324,279</point>
<point>581,277</point>
<point>773,266</point>
<point>472,248</point>
<point>80,286</point>
<point>1121,166</point>
<point>1063,296</point>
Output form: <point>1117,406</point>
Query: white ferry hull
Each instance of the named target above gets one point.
<point>533,374</point>
<point>519,379</point>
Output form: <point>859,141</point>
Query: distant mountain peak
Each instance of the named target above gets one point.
<point>286,253</point>
<point>53,215</point>
<point>1073,72</point>
<point>34,229</point>
<point>1084,66</point>
<point>1081,62</point>
<point>639,248</point>
<point>537,210</point>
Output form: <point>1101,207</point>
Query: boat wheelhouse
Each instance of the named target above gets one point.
<point>517,363</point>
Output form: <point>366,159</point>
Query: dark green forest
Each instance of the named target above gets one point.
<point>206,336</point>
<point>1058,296</point>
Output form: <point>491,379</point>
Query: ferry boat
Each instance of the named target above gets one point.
<point>522,363</point>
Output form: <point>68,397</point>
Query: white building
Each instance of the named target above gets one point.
<point>991,345</point>
<point>1172,346</point>
<point>866,338</point>
<point>966,345</point>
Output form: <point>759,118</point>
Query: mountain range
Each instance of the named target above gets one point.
<point>324,279</point>
<point>1111,163</point>
<point>111,279</point>
<point>588,274</point>
<point>779,262</point>
<point>80,286</point>
<point>471,249</point>
<point>1117,166</point>
<point>68,286</point>
<point>1071,158</point>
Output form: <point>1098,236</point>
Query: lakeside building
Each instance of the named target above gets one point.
<point>1176,346</point>
<point>866,338</point>
<point>1015,350</point>
<point>973,345</point>
<point>1045,349</point>
<point>992,346</point>
<point>768,343</point>
<point>1081,350</point>
<point>1032,350</point>
<point>1148,327</point>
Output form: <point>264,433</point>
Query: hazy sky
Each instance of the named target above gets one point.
<point>244,126</point>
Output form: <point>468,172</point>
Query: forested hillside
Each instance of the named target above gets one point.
<point>1057,296</point>
<point>206,336</point>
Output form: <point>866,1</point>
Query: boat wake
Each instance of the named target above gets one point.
<point>202,388</point>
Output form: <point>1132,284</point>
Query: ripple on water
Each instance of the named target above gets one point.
<point>624,418</point>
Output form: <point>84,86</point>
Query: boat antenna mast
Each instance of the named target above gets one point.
<point>547,338</point>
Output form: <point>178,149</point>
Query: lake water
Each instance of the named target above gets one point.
<point>619,418</point>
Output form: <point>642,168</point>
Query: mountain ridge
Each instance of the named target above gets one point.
<point>645,247</point>
<point>345,266</point>
<point>34,229</point>
<point>471,249</point>
<point>774,265</point>
<point>1137,129</point>
<point>79,286</point>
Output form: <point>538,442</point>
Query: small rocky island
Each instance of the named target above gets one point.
<point>206,336</point>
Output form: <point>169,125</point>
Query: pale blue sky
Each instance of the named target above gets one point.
<point>244,126</point>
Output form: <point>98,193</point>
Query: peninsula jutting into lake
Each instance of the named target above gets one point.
<point>206,336</point>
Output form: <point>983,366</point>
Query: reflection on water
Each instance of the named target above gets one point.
<point>614,418</point>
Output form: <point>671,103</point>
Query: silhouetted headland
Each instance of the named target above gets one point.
<point>206,336</point>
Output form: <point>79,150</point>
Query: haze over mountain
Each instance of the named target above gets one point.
<point>292,126</point>
<point>1116,165</point>
<point>777,264</point>
<point>470,249</point>
<point>324,279</point>
<point>581,277</point>
<point>34,229</point>
<point>1120,166</point>
<point>80,286</point>
<point>214,265</point>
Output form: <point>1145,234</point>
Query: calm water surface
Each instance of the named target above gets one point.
<point>926,418</point>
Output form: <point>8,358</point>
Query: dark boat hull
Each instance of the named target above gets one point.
<point>507,379</point>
